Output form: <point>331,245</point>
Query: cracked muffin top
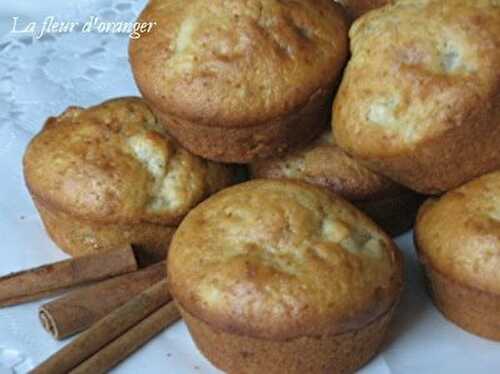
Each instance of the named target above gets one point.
<point>239,62</point>
<point>420,98</point>
<point>459,233</point>
<point>114,163</point>
<point>280,259</point>
<point>419,69</point>
<point>326,164</point>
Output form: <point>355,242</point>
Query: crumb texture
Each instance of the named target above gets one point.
<point>324,163</point>
<point>459,234</point>
<point>114,163</point>
<point>420,98</point>
<point>438,60</point>
<point>280,259</point>
<point>271,56</point>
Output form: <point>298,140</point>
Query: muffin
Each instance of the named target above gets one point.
<point>458,241</point>
<point>109,175</point>
<point>323,163</point>
<point>420,98</point>
<point>356,8</point>
<point>280,276</point>
<point>238,80</point>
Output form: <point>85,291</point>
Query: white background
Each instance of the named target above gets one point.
<point>39,78</point>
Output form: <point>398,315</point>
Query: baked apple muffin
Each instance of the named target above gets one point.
<point>420,98</point>
<point>238,80</point>
<point>458,240</point>
<point>109,175</point>
<point>392,206</point>
<point>280,276</point>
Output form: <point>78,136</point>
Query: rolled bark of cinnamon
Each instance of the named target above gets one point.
<point>119,349</point>
<point>79,309</point>
<point>36,283</point>
<point>106,330</point>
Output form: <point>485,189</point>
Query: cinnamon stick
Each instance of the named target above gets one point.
<point>36,283</point>
<point>119,349</point>
<point>79,309</point>
<point>106,330</point>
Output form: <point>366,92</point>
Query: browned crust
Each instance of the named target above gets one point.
<point>292,329</point>
<point>458,234</point>
<point>444,127</point>
<point>243,145</point>
<point>391,206</point>
<point>394,214</point>
<point>81,163</point>
<point>79,237</point>
<point>325,164</point>
<point>255,85</point>
<point>237,354</point>
<point>276,54</point>
<point>472,309</point>
<point>442,163</point>
<point>245,275</point>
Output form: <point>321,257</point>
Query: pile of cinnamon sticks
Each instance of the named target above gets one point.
<point>119,306</point>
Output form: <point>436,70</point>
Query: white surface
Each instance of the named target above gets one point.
<point>41,78</point>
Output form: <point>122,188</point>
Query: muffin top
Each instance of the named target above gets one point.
<point>419,68</point>
<point>324,163</point>
<point>114,163</point>
<point>279,259</point>
<point>241,62</point>
<point>459,234</point>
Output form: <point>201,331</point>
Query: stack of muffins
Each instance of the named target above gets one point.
<point>282,274</point>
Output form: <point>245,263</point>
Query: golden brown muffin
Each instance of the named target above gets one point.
<point>356,8</point>
<point>323,163</point>
<point>238,80</point>
<point>458,240</point>
<point>280,276</point>
<point>108,175</point>
<point>420,99</point>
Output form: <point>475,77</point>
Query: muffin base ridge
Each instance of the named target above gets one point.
<point>78,237</point>
<point>475,311</point>
<point>246,144</point>
<point>235,354</point>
